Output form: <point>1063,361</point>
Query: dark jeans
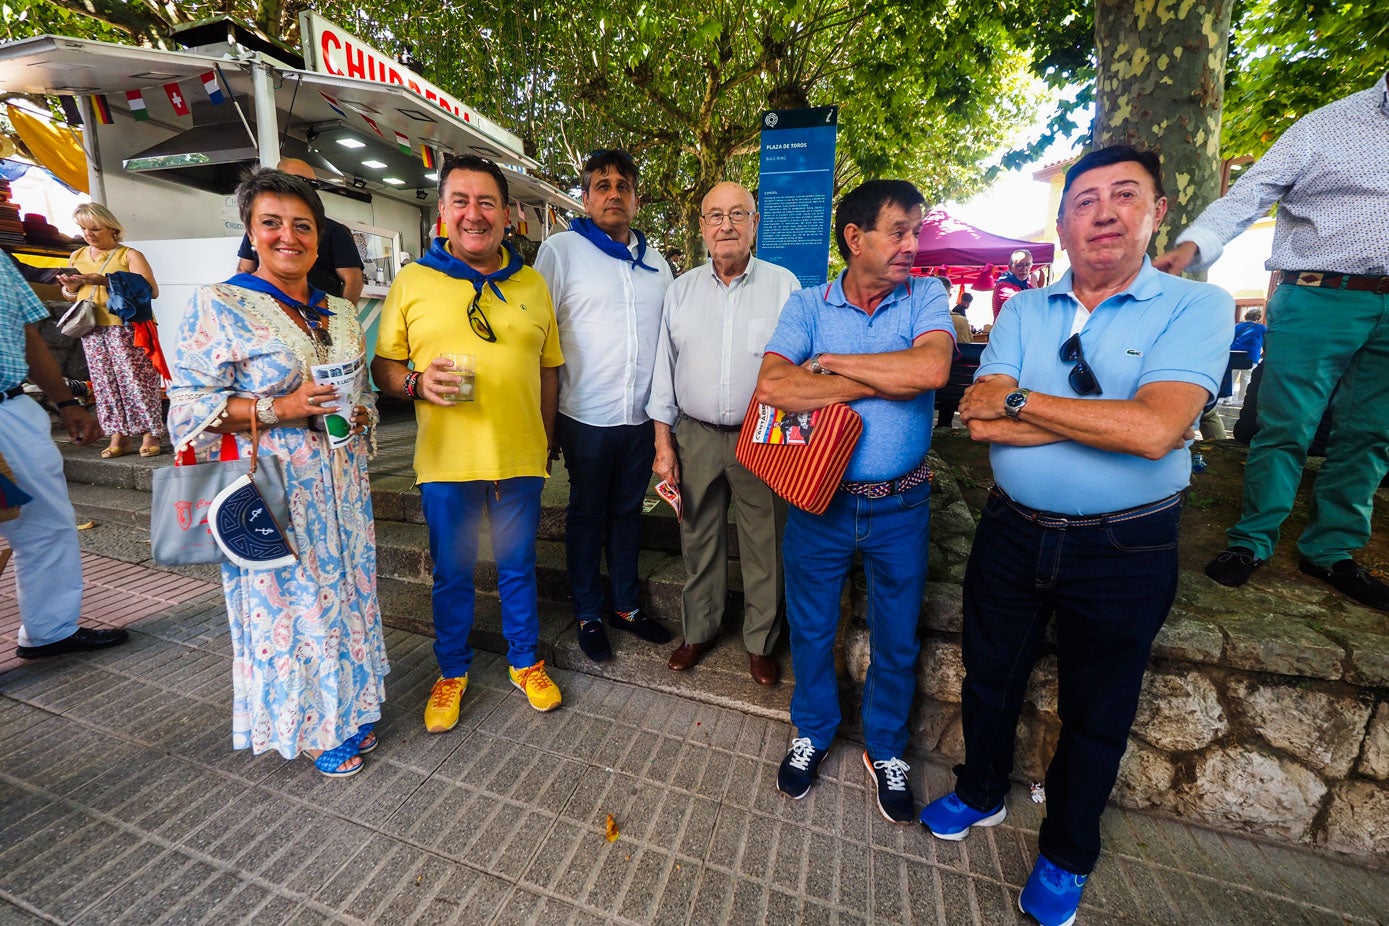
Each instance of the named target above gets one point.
<point>1109,587</point>
<point>609,470</point>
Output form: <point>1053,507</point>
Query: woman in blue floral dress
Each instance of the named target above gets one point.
<point>309,663</point>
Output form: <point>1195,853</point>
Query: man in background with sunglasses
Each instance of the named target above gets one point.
<point>470,293</point>
<point>1329,175</point>
<point>1087,392</point>
<point>608,288</point>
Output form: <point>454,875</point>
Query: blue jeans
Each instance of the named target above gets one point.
<point>1109,587</point>
<point>609,470</point>
<point>453,511</point>
<point>817,550</point>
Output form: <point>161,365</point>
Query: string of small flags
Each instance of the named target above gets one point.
<point>139,107</point>
<point>212,87</point>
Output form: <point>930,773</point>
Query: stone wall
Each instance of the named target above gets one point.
<point>1261,712</point>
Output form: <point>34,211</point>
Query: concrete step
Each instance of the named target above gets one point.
<point>722,678</point>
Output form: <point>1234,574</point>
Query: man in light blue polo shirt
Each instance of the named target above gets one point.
<point>48,563</point>
<point>1087,392</point>
<point>882,342</point>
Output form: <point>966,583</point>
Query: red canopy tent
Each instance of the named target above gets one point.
<point>967,254</point>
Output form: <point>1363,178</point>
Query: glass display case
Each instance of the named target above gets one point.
<point>379,249</point>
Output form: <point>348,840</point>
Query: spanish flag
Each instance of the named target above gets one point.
<point>101,109</point>
<point>427,156</point>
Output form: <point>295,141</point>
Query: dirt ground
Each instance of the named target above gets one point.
<point>1212,505</point>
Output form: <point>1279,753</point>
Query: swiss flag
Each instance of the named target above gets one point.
<point>176,99</point>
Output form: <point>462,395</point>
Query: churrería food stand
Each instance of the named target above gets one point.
<point>167,135</point>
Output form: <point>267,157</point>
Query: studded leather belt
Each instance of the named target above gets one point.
<point>1356,281</point>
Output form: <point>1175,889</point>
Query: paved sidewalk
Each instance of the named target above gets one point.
<point>121,801</point>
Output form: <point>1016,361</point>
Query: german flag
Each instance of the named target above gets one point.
<point>101,109</point>
<point>427,156</point>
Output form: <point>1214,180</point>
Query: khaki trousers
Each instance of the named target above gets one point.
<point>711,476</point>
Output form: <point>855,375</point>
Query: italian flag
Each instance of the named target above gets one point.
<point>136,100</point>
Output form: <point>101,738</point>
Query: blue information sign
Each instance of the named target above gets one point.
<point>796,189</point>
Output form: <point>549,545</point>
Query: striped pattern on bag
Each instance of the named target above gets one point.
<point>806,475</point>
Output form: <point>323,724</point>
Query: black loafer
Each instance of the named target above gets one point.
<point>593,640</point>
<point>1350,579</point>
<point>635,622</point>
<point>1234,566</point>
<point>84,639</point>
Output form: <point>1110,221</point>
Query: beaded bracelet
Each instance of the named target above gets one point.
<point>412,383</point>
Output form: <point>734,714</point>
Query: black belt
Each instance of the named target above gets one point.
<point>889,487</point>
<point>13,392</point>
<point>725,428</point>
<point>1063,521</point>
<point>1360,282</point>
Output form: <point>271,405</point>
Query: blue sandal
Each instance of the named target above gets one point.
<point>330,762</point>
<point>359,739</point>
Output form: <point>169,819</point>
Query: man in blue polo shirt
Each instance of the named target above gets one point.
<point>882,342</point>
<point>1087,391</point>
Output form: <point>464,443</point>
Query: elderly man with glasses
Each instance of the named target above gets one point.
<point>716,321</point>
<point>1087,391</point>
<point>485,429</point>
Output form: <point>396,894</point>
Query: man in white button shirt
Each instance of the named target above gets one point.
<point>607,287</point>
<point>1329,175</point>
<point>718,318</point>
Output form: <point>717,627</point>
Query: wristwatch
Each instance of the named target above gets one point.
<point>1014,402</point>
<point>815,365</point>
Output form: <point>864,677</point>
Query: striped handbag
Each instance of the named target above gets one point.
<point>806,475</point>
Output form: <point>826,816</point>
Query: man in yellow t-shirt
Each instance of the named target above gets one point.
<point>485,431</point>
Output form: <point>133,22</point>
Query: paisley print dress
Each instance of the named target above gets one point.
<point>309,662</point>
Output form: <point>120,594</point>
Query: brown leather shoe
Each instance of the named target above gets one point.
<point>764,669</point>
<point>688,655</point>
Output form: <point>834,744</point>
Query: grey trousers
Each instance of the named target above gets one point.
<point>711,477</point>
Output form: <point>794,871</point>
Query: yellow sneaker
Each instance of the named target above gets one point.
<point>542,693</point>
<point>441,713</point>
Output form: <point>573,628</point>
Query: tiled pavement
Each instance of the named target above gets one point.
<point>121,801</point>
<point>114,594</point>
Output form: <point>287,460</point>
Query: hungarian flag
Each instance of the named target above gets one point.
<point>176,99</point>
<point>101,109</point>
<point>214,90</point>
<point>402,142</point>
<point>427,156</point>
<point>374,127</point>
<point>137,105</point>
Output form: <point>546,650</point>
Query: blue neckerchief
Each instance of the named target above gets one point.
<point>1008,277</point>
<point>439,258</point>
<point>603,242</point>
<point>311,312</point>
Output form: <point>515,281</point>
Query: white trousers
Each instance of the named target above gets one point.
<point>47,561</point>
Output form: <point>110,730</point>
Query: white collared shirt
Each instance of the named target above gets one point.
<point>609,314</point>
<point>712,339</point>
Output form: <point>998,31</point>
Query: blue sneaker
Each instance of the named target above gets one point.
<point>950,818</point>
<point>1051,895</point>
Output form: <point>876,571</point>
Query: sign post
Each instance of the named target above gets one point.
<point>796,190</point>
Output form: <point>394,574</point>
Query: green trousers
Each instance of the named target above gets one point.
<point>710,478</point>
<point>1318,337</point>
